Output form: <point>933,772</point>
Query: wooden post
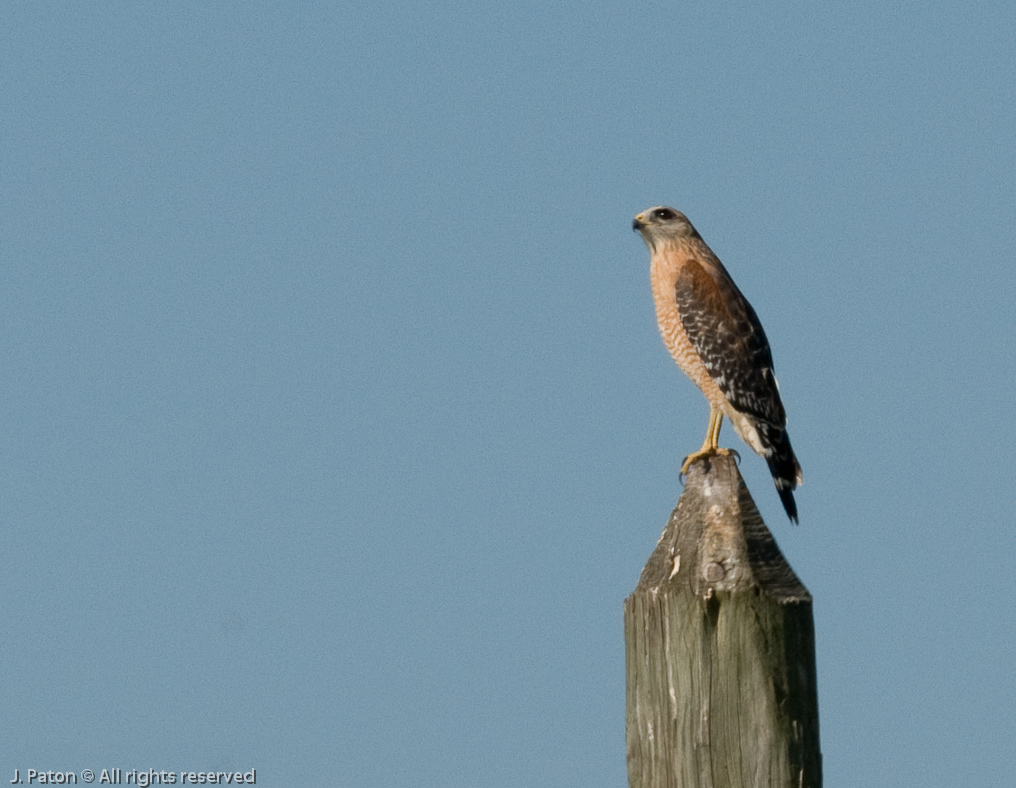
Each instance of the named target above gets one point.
<point>720,650</point>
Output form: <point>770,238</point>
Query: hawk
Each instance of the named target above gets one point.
<point>716,338</point>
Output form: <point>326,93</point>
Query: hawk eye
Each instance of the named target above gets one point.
<point>664,214</point>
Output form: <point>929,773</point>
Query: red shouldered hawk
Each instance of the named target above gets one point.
<point>715,337</point>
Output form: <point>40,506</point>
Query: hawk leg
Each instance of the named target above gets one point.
<point>712,442</point>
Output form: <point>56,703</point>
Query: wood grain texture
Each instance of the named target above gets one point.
<point>720,650</point>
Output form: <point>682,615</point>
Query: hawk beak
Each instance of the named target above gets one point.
<point>637,223</point>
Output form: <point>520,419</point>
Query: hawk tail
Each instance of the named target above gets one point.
<point>786,472</point>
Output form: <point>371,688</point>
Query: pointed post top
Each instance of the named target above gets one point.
<point>716,540</point>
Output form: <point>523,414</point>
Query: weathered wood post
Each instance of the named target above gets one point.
<point>720,650</point>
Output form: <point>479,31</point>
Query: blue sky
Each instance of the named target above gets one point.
<point>337,426</point>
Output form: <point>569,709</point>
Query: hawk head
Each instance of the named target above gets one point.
<point>662,224</point>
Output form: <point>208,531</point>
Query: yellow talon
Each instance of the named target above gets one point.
<point>712,442</point>
<point>691,459</point>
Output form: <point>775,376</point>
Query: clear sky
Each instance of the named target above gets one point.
<point>336,424</point>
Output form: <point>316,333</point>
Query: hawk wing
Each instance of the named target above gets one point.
<point>727,335</point>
